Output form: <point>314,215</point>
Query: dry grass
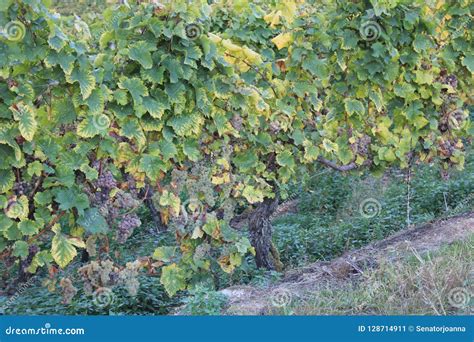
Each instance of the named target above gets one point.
<point>432,283</point>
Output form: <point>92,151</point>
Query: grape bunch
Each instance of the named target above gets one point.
<point>126,201</point>
<point>106,181</point>
<point>68,290</point>
<point>22,188</point>
<point>128,277</point>
<point>237,122</point>
<point>126,226</point>
<point>447,148</point>
<point>98,274</point>
<point>362,145</point>
<point>452,81</point>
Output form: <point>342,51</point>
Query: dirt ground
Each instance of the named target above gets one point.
<point>247,300</point>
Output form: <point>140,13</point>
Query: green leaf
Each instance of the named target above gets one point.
<point>252,194</point>
<point>468,62</point>
<point>57,39</point>
<point>43,198</point>
<point>164,253</point>
<point>404,90</point>
<point>183,124</point>
<point>243,245</point>
<point>155,108</point>
<point>377,99</point>
<point>141,52</point>
<point>72,198</point>
<point>424,77</point>
<point>245,160</point>
<point>28,227</point>
<point>152,166</point>
<point>345,154</point>
<point>93,125</point>
<point>285,158</point>
<point>7,178</point>
<point>90,172</point>
<point>316,66</point>
<point>85,79</point>
<point>212,228</point>
<point>354,106</point>
<point>20,249</point>
<point>191,150</point>
<point>19,209</point>
<point>169,199</point>
<point>96,101</point>
<point>135,87</point>
<point>26,118</point>
<point>62,250</point>
<point>132,130</point>
<point>311,153</point>
<point>93,221</point>
<point>35,169</point>
<point>173,279</point>
<point>422,43</point>
<point>64,60</point>
<point>167,149</point>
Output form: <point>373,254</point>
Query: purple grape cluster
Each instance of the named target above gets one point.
<point>126,226</point>
<point>22,188</point>
<point>125,200</point>
<point>106,180</point>
<point>452,81</point>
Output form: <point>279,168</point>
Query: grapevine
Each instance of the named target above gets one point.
<point>201,112</point>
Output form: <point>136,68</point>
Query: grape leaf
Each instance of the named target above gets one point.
<point>62,250</point>
<point>173,279</point>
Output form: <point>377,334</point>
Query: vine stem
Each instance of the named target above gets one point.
<point>48,226</point>
<point>408,221</point>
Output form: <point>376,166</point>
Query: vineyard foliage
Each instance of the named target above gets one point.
<point>207,109</point>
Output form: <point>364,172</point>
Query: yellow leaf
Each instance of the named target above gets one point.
<point>252,56</point>
<point>197,233</point>
<point>231,47</point>
<point>275,20</point>
<point>218,180</point>
<point>269,17</point>
<point>214,38</point>
<point>282,40</point>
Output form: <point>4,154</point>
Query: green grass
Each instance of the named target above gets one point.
<point>329,221</point>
